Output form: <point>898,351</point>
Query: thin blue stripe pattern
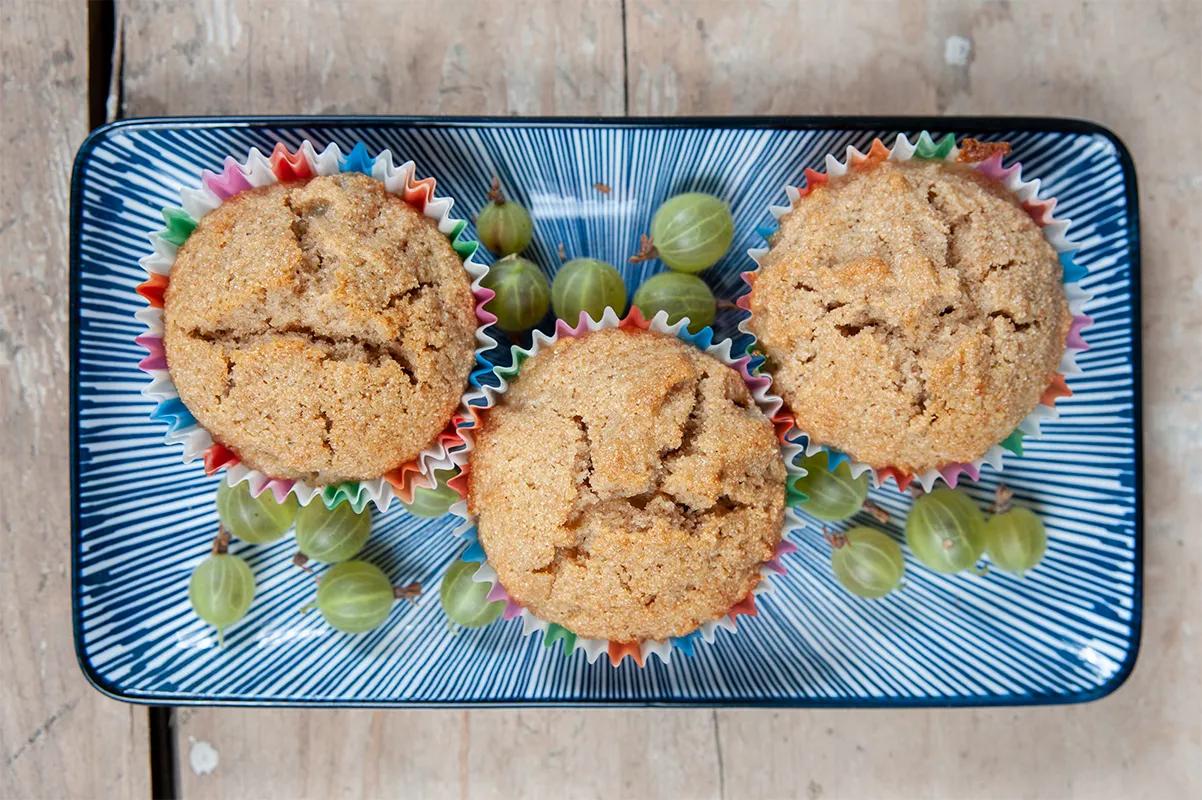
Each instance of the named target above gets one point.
<point>1068,630</point>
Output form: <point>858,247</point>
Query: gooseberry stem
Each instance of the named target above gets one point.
<point>834,539</point>
<point>494,193</point>
<point>221,542</point>
<point>301,560</point>
<point>408,592</point>
<point>878,513</point>
<point>646,250</point>
<point>1002,499</point>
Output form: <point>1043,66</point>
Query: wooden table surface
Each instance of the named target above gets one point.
<point>1134,67</point>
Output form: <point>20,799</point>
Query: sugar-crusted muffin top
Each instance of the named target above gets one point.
<point>627,486</point>
<point>322,330</point>
<point>912,314</point>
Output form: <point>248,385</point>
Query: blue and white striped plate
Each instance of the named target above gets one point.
<point>141,520</point>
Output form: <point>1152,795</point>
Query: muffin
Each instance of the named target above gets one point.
<point>322,330</point>
<point>912,314</point>
<point>627,487</point>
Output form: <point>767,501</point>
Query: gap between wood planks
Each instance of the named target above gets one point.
<point>106,39</point>
<point>105,45</point>
<point>625,66</point>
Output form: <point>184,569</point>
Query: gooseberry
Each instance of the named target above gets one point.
<point>680,295</point>
<point>504,226</point>
<point>831,494</point>
<point>333,534</point>
<point>692,231</point>
<point>255,520</point>
<point>946,530</point>
<point>1016,540</point>
<point>867,562</point>
<point>588,285</point>
<point>465,600</point>
<point>354,596</point>
<point>522,293</point>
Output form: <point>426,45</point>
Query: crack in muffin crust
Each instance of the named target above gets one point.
<point>627,487</point>
<point>322,329</point>
<point>911,314</point>
<point>346,348</point>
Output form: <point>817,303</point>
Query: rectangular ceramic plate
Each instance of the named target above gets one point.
<point>141,519</point>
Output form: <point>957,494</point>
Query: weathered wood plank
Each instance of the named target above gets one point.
<point>377,57</point>
<point>439,754</point>
<point>1135,68</point>
<point>58,736</point>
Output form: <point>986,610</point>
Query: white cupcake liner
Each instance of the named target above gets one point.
<point>1056,232</point>
<point>486,397</point>
<point>259,170</point>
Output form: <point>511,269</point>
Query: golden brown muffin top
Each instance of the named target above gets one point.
<point>322,330</point>
<point>912,314</point>
<point>627,486</point>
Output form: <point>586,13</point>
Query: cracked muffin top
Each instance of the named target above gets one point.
<point>912,314</point>
<point>627,487</point>
<point>322,330</point>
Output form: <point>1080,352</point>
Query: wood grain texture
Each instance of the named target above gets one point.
<point>372,57</point>
<point>58,736</point>
<point>1133,67</point>
<point>446,753</point>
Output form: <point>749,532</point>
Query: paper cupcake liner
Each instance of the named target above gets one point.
<point>259,170</point>
<point>1056,232</point>
<point>485,397</point>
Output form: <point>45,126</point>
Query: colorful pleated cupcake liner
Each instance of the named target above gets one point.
<point>485,397</point>
<point>259,170</point>
<point>1055,230</point>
